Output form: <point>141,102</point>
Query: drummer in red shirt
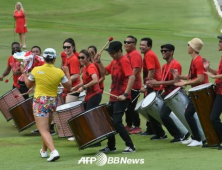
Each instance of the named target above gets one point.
<point>151,70</point>
<point>167,82</point>
<point>73,64</point>
<point>122,82</point>
<point>195,77</point>
<point>90,81</point>
<point>93,51</point>
<point>64,55</point>
<point>217,106</point>
<point>13,65</point>
<point>135,58</point>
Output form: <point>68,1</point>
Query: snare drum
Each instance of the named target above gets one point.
<point>177,101</point>
<point>63,114</point>
<point>203,99</point>
<point>82,96</point>
<point>92,126</point>
<point>8,100</point>
<point>153,104</point>
<point>22,114</point>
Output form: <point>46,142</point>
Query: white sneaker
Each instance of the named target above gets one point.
<point>195,143</point>
<point>71,139</point>
<point>54,155</point>
<point>188,141</point>
<point>43,154</point>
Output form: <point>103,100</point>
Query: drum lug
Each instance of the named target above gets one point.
<point>196,96</point>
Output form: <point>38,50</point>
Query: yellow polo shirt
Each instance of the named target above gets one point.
<point>47,79</point>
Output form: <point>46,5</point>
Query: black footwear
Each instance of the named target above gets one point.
<point>52,132</point>
<point>95,145</point>
<point>175,140</point>
<point>129,150</point>
<point>146,133</point>
<point>219,147</point>
<point>212,146</point>
<point>158,138</point>
<point>107,149</point>
<point>36,131</point>
<point>187,136</point>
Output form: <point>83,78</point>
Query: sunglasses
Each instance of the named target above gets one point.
<point>164,51</point>
<point>128,42</point>
<point>68,47</point>
<point>81,57</point>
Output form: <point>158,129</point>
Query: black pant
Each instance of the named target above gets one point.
<point>94,101</point>
<point>215,115</point>
<point>156,126</point>
<point>132,117</point>
<point>168,122</point>
<point>189,115</point>
<point>118,108</point>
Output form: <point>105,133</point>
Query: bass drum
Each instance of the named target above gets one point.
<point>92,126</point>
<point>63,114</point>
<point>9,100</point>
<point>203,99</point>
<point>22,114</point>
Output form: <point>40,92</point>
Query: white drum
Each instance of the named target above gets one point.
<point>139,109</point>
<point>177,101</point>
<point>82,96</point>
<point>153,104</point>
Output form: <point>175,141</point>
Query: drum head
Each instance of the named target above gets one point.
<point>148,100</point>
<point>138,105</point>
<point>82,94</point>
<point>200,87</point>
<point>172,93</point>
<point>68,106</point>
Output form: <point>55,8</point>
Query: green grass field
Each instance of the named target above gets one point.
<point>92,22</point>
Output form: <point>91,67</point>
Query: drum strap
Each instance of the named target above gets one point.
<point>165,73</point>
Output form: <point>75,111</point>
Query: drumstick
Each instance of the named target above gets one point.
<point>135,98</point>
<point>110,39</point>
<point>73,92</point>
<point>6,81</point>
<point>16,96</point>
<point>110,94</point>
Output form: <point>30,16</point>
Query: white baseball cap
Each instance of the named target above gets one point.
<point>49,52</point>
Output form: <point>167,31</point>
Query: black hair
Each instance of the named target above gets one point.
<point>149,41</point>
<point>94,48</point>
<point>36,47</point>
<point>72,42</point>
<point>134,38</point>
<point>15,43</point>
<point>84,51</point>
<point>48,59</point>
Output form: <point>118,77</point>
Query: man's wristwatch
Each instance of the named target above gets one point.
<point>125,94</point>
